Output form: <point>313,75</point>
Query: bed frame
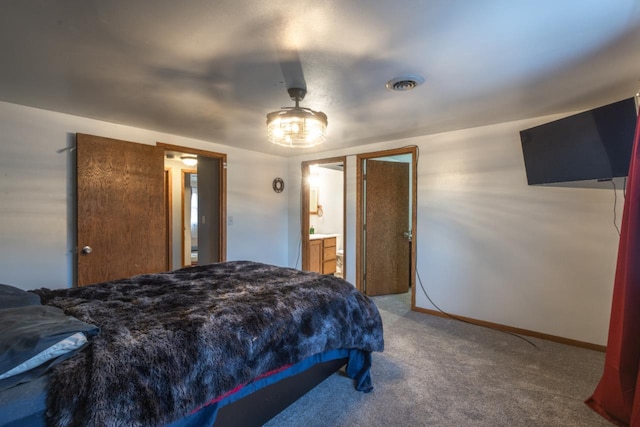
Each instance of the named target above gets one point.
<point>259,407</point>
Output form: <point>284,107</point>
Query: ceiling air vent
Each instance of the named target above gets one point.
<point>403,83</point>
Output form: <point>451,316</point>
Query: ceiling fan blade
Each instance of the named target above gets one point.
<point>291,67</point>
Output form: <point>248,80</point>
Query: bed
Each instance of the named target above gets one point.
<point>221,344</point>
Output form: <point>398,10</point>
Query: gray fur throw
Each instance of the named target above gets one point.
<point>171,342</point>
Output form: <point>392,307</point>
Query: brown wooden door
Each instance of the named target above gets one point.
<point>387,249</point>
<point>120,209</point>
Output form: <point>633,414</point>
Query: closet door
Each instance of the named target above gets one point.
<point>121,226</point>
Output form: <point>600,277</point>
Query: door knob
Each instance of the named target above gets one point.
<point>408,235</point>
<point>87,250</point>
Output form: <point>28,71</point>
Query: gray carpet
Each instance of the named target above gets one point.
<point>441,372</point>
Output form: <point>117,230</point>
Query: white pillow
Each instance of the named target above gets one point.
<point>68,344</point>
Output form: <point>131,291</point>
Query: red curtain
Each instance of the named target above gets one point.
<point>615,397</point>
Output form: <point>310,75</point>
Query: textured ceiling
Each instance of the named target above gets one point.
<point>212,70</point>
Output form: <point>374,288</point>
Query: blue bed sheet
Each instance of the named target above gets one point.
<point>25,405</point>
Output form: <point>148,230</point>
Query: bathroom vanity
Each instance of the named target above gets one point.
<point>322,253</point>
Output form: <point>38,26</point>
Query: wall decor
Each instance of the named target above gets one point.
<point>278,185</point>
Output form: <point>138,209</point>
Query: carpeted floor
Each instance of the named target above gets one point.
<point>441,372</point>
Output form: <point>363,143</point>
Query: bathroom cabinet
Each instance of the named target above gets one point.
<point>322,254</point>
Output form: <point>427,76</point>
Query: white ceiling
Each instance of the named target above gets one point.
<point>211,69</point>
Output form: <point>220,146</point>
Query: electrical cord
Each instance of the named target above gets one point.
<point>451,316</point>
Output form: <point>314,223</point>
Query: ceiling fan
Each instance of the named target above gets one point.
<point>295,127</point>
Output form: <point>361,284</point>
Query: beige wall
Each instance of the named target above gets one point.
<point>37,195</point>
<point>489,246</point>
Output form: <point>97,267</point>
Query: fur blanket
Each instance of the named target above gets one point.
<point>171,342</point>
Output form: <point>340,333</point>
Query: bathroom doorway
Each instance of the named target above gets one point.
<point>323,218</point>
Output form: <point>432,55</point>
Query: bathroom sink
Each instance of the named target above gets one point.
<point>320,236</point>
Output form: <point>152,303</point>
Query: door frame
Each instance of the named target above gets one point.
<point>360,209</point>
<point>168,205</point>
<point>222,158</point>
<point>304,209</point>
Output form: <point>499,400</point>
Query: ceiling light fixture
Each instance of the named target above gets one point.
<point>296,127</point>
<point>189,160</point>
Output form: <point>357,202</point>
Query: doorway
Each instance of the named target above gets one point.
<point>197,207</point>
<point>386,222</point>
<point>323,216</point>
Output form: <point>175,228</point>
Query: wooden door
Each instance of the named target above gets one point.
<point>121,228</point>
<point>387,248</point>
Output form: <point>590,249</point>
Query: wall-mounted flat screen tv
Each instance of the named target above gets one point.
<point>595,144</point>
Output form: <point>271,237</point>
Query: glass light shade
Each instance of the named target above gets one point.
<point>296,127</point>
<point>189,161</point>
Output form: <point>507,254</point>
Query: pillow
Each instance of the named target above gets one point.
<point>13,297</point>
<point>65,346</point>
<point>30,331</point>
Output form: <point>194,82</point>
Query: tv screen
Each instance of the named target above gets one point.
<point>595,144</point>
